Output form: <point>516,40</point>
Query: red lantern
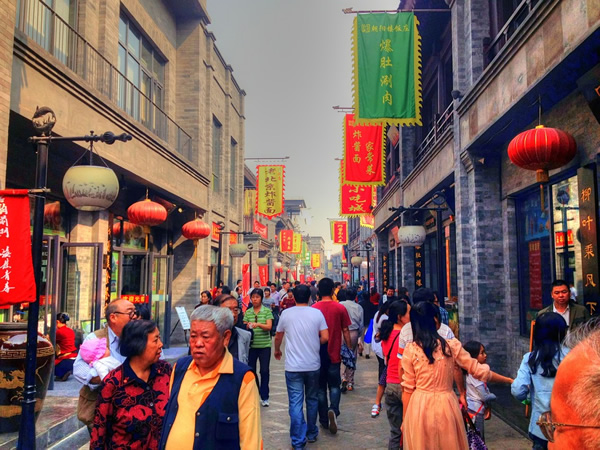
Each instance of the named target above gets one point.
<point>542,149</point>
<point>147,213</point>
<point>128,227</point>
<point>196,229</point>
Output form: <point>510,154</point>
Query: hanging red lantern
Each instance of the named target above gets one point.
<point>542,149</point>
<point>128,227</point>
<point>196,229</point>
<point>147,213</point>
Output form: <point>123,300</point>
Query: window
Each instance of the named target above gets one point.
<point>233,171</point>
<point>217,153</point>
<point>142,80</point>
<point>534,256</point>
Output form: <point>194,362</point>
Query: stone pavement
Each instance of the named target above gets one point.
<point>356,428</point>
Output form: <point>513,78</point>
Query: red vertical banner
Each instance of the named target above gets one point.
<point>215,230</point>
<point>261,229</point>
<point>17,281</point>
<point>233,238</point>
<point>286,240</point>
<point>355,200</point>
<point>364,153</point>
<point>263,274</point>
<point>535,274</point>
<point>340,232</point>
<point>302,278</point>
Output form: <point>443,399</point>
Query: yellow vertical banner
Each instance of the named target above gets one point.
<point>297,243</point>
<point>270,189</point>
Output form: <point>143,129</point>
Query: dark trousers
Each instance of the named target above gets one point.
<point>393,407</point>
<point>66,365</point>
<point>380,367</point>
<point>329,378</point>
<point>264,356</point>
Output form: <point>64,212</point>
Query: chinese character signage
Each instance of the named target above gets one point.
<point>589,237</point>
<point>297,243</point>
<point>559,238</point>
<point>385,270</point>
<point>305,256</point>
<point>270,188</point>
<point>367,221</point>
<point>419,268</point>
<point>286,241</point>
<point>387,73</point>
<point>535,274</point>
<point>17,283</point>
<point>249,201</point>
<point>339,232</point>
<point>261,230</point>
<point>315,261</point>
<point>215,232</point>
<point>355,200</point>
<point>364,153</point>
<point>136,298</point>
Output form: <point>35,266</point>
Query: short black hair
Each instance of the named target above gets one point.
<point>301,293</point>
<point>134,337</point>
<point>351,293</point>
<point>341,295</point>
<point>557,283</point>
<point>142,310</point>
<point>325,287</point>
<point>423,295</point>
<point>257,291</point>
<point>225,290</point>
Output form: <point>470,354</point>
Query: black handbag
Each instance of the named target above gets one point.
<point>473,436</point>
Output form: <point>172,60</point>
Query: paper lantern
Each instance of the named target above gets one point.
<point>237,250</point>
<point>196,229</point>
<point>90,188</point>
<point>278,264</point>
<point>411,235</point>
<point>262,261</point>
<point>356,261</point>
<point>344,269</point>
<point>128,227</point>
<point>146,213</point>
<point>542,149</point>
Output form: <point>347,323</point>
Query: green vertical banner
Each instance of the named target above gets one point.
<point>387,69</point>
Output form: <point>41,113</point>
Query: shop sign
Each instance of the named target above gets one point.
<point>136,298</point>
<point>559,238</point>
<point>233,239</point>
<point>215,231</point>
<point>385,270</point>
<point>261,230</point>
<point>419,267</point>
<point>17,283</point>
<point>535,274</point>
<point>588,230</point>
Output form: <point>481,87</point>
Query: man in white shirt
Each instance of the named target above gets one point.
<point>305,330</point>
<point>347,298</point>
<point>118,314</point>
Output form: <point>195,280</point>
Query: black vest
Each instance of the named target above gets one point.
<point>217,419</point>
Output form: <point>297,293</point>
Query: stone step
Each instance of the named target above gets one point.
<point>57,420</point>
<point>80,438</point>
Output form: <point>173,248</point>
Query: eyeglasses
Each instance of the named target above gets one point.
<point>548,427</point>
<point>131,314</point>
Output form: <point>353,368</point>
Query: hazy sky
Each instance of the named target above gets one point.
<point>293,59</point>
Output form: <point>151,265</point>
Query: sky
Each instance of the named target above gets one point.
<point>293,58</point>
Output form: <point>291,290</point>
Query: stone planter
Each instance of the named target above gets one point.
<point>13,340</point>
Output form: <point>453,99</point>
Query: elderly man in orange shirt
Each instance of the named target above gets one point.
<point>214,401</point>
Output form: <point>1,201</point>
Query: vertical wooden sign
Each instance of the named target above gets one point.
<point>588,229</point>
<point>385,271</point>
<point>419,272</point>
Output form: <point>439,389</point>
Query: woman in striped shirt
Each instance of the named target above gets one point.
<point>259,319</point>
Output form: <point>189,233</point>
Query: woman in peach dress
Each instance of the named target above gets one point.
<point>432,416</point>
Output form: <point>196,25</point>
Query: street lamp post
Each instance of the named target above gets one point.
<point>439,199</point>
<point>368,248</point>
<point>43,122</point>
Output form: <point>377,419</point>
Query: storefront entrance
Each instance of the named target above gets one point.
<point>146,278</point>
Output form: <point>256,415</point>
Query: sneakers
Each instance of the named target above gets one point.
<point>350,387</point>
<point>375,410</point>
<point>311,440</point>
<point>332,421</point>
<point>344,386</point>
<point>264,402</point>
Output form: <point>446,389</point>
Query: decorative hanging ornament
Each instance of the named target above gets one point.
<point>262,261</point>
<point>356,261</point>
<point>196,229</point>
<point>542,149</point>
<point>147,214</point>
<point>128,227</point>
<point>90,187</point>
<point>411,235</point>
<point>237,250</point>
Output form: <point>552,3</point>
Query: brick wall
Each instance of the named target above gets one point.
<point>7,30</point>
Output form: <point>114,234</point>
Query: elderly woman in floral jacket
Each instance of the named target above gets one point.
<point>132,399</point>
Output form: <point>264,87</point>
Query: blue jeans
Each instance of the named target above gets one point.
<point>329,377</point>
<point>298,385</point>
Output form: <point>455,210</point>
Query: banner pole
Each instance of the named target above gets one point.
<point>27,428</point>
<point>391,11</point>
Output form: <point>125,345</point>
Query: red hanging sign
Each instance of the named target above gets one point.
<point>215,231</point>
<point>286,241</point>
<point>364,153</point>
<point>340,232</point>
<point>233,238</point>
<point>355,200</point>
<point>261,229</point>
<point>263,273</point>
<point>17,282</point>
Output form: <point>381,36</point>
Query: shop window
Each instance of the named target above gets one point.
<point>534,256</point>
<point>430,256</point>
<point>565,209</point>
